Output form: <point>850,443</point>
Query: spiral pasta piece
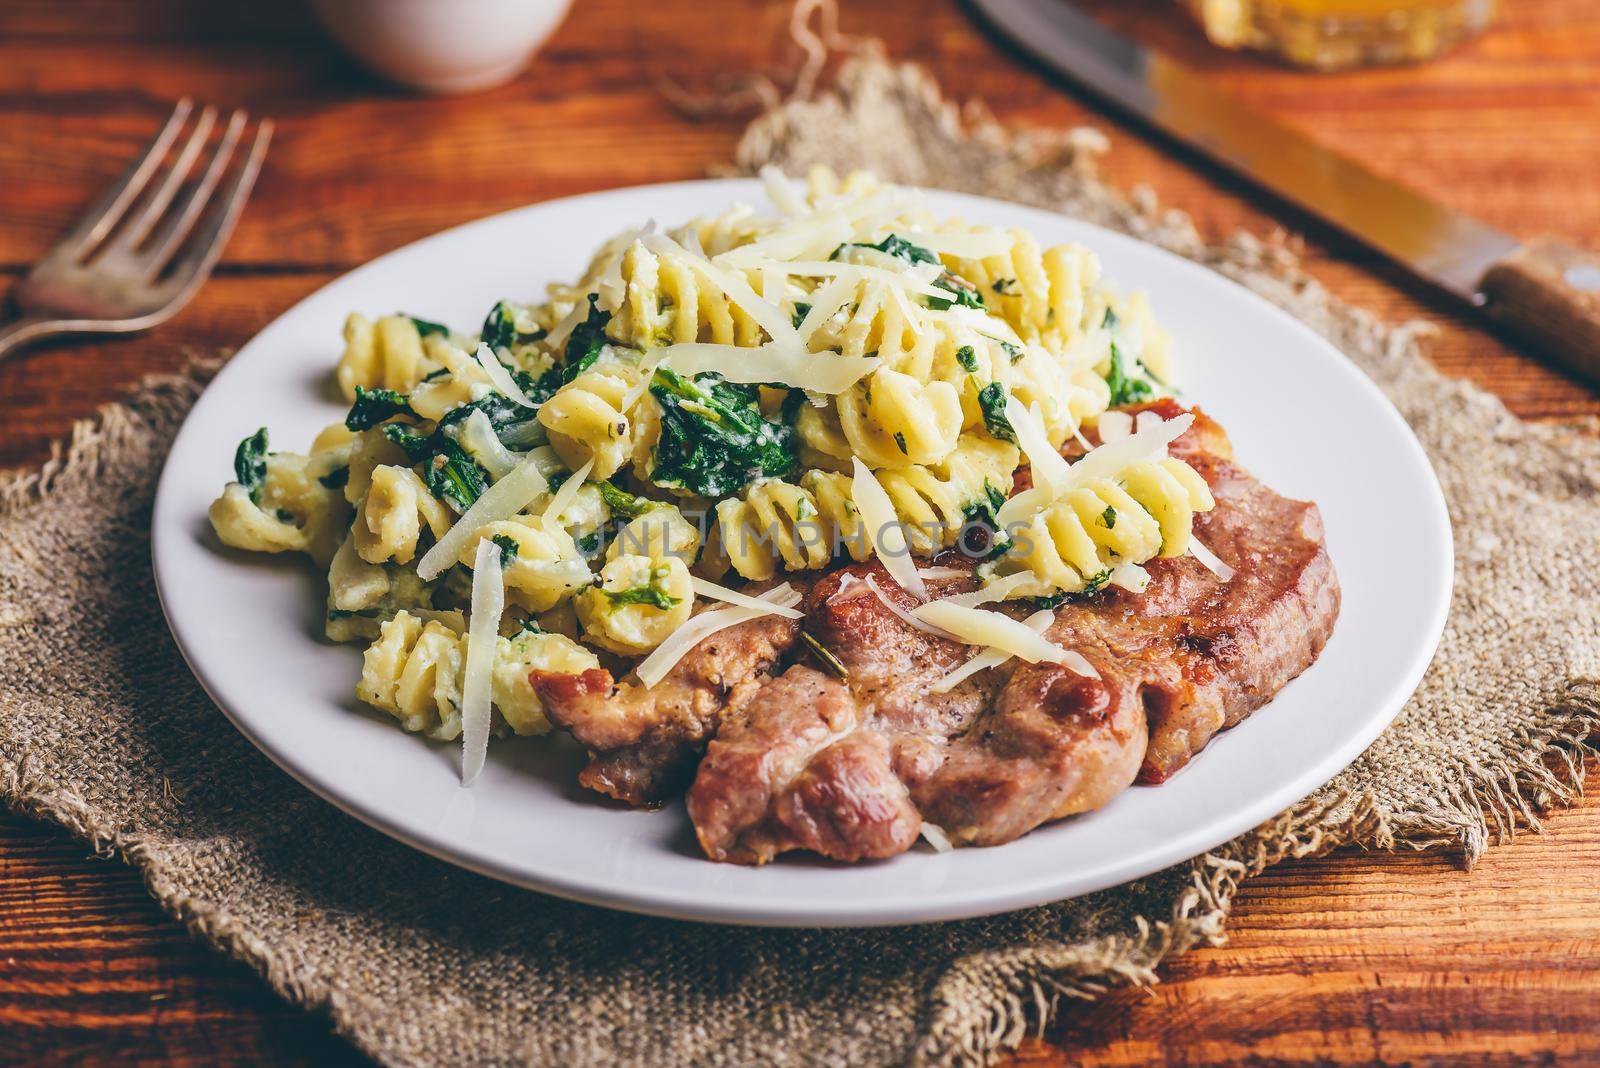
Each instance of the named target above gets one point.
<point>1147,511</point>
<point>892,420</point>
<point>776,522</point>
<point>413,672</point>
<point>391,517</point>
<point>540,562</point>
<point>586,419</point>
<point>1046,295</point>
<point>801,527</point>
<point>389,354</point>
<point>932,503</point>
<point>666,301</point>
<point>639,602</point>
<point>294,511</point>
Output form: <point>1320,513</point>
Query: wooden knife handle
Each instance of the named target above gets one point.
<point>1548,292</point>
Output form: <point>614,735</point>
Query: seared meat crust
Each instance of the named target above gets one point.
<point>849,770</point>
<point>644,743</point>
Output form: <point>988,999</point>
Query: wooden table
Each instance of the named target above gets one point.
<point>1354,957</point>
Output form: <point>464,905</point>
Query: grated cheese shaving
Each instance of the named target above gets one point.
<point>504,499</point>
<point>1114,426</point>
<point>500,378</point>
<point>653,668</point>
<point>884,532</point>
<point>978,626</point>
<point>820,372</point>
<point>782,192</point>
<point>1211,560</point>
<point>488,602</point>
<point>969,245</point>
<point>999,589</point>
<point>907,281</point>
<point>476,435</point>
<point>1050,469</point>
<point>907,618</point>
<point>935,836</point>
<point>770,317</point>
<point>1130,577</point>
<point>563,497</point>
<point>713,592</point>
<point>988,658</point>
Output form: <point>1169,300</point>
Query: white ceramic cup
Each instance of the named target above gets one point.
<point>442,46</point>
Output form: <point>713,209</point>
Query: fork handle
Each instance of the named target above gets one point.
<point>20,332</point>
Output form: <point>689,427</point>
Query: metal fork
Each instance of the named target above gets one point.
<point>128,264</point>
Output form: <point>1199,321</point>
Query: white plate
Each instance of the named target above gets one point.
<point>1302,418</point>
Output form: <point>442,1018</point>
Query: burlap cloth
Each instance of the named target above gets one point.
<point>105,732</point>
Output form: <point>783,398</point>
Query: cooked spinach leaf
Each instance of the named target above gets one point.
<point>250,464</point>
<point>714,440</point>
<point>801,310</point>
<point>426,327</point>
<point>624,504</point>
<point>992,402</point>
<point>452,475</point>
<point>895,246</point>
<point>967,357</point>
<point>500,327</point>
<point>508,548</point>
<point>1125,388</point>
<point>584,343</point>
<point>373,406</point>
<point>336,478</point>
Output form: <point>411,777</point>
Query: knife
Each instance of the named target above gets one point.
<point>1545,292</point>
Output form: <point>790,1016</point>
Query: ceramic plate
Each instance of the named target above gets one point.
<point>1301,417</point>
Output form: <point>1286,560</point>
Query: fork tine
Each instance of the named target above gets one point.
<point>191,268</point>
<point>94,224</point>
<point>181,220</point>
<point>150,213</point>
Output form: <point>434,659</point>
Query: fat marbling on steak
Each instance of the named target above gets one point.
<point>850,769</point>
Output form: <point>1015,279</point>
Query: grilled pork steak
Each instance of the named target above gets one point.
<point>643,743</point>
<point>849,769</point>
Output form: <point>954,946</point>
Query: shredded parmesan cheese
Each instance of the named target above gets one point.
<point>1038,623</point>
<point>999,589</point>
<point>781,192</point>
<point>476,435</point>
<point>1114,426</point>
<point>500,378</point>
<point>820,372</point>
<point>906,617</point>
<point>563,497</point>
<point>977,626</point>
<point>942,572</point>
<point>935,836</point>
<point>711,591</point>
<point>887,536</point>
<point>1130,577</point>
<point>770,317</point>
<point>969,245</point>
<point>488,602</point>
<point>653,668</point>
<point>1211,560</point>
<point>502,500</point>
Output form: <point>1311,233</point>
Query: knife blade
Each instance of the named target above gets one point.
<point>1545,290</point>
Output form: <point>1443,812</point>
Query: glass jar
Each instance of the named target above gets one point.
<point>1339,34</point>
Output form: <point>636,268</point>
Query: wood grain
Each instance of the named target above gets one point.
<point>1352,958</point>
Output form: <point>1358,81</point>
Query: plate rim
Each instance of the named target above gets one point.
<point>976,902</point>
